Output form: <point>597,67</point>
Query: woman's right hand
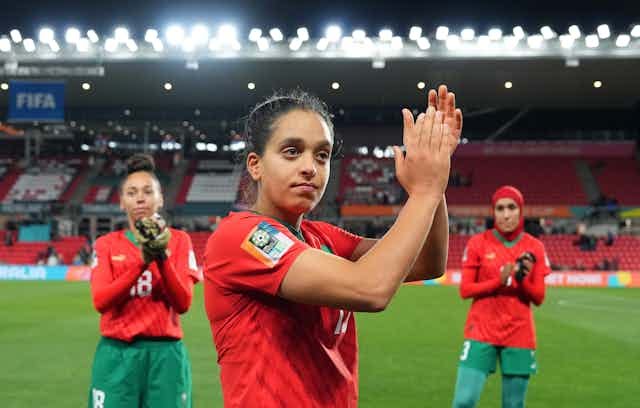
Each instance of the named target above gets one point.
<point>424,169</point>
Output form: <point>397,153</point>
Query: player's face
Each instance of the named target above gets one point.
<point>507,214</point>
<point>140,196</point>
<point>292,173</point>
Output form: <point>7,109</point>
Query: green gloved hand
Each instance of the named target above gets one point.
<point>153,235</point>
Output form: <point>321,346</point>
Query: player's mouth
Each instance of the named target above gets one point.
<point>305,187</point>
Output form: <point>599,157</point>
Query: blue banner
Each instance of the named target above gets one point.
<point>33,272</point>
<point>31,101</point>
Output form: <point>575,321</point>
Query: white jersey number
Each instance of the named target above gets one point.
<point>343,321</point>
<point>143,286</point>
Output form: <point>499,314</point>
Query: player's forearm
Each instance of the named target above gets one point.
<point>107,296</point>
<point>388,263</point>
<point>431,262</point>
<point>469,288</point>
<point>178,292</point>
<point>534,289</point>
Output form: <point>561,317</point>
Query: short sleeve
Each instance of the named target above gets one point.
<point>251,253</point>
<point>187,263</point>
<point>343,242</point>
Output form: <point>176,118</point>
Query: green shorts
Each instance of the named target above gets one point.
<point>144,373</point>
<point>484,357</point>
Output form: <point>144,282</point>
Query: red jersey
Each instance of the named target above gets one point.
<point>273,352</point>
<point>501,315</point>
<point>145,310</point>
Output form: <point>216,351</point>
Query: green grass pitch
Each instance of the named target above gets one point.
<point>588,348</point>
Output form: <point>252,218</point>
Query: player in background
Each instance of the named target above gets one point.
<point>503,272</point>
<point>280,291</point>
<point>142,280</point>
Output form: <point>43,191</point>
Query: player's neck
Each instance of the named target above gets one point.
<point>269,210</point>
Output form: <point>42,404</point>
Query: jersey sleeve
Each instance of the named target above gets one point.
<point>469,285</point>
<point>251,254</point>
<point>344,242</point>
<point>106,291</point>
<point>533,284</point>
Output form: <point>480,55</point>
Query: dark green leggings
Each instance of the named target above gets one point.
<point>470,382</point>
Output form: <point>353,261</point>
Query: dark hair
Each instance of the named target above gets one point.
<point>140,162</point>
<point>259,125</point>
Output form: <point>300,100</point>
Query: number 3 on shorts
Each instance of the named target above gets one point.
<point>465,350</point>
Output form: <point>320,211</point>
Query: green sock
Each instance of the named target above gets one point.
<point>469,386</point>
<point>514,390</point>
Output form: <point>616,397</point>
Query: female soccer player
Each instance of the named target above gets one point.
<point>280,291</point>
<point>142,280</point>
<point>503,271</point>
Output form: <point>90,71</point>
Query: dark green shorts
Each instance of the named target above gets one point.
<point>484,357</point>
<point>144,373</point>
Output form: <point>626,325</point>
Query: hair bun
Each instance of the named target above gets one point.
<point>140,162</point>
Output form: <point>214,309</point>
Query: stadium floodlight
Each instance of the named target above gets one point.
<point>547,33</point>
<point>508,84</point>
<point>72,35</point>
<point>518,32</point>
<point>574,31</point>
<point>83,45</point>
<point>359,35</point>
<point>150,35</point>
<point>110,45</point>
<point>603,31</point>
<point>255,34</point>
<point>86,86</point>
<point>467,34</point>
<point>188,45</point>
<point>453,42</point>
<point>511,41</point>
<point>347,43</point>
<point>227,34</point>
<point>121,35</point>
<point>263,43</point>
<point>175,35</point>
<point>335,86</point>
<point>442,33</point>
<point>322,44</point>
<point>212,147</point>
<point>396,43</point>
<point>495,34</point>
<point>295,44</point>
<point>200,34</point>
<point>276,34</point>
<point>597,84</point>
<point>29,45</point>
<point>378,152</point>
<point>423,43</point>
<point>168,86</point>
<point>5,44</point>
<point>131,45</point>
<point>333,33</point>
<point>623,40</point>
<point>484,42</point>
<point>567,41</point>
<point>4,86</point>
<point>385,34</point>
<point>15,35</point>
<point>535,41</point>
<point>303,34</point>
<point>235,45</point>
<point>46,35</point>
<point>157,44</point>
<point>55,47</point>
<point>415,33</point>
<point>421,85</point>
<point>635,31</point>
<point>592,41</point>
<point>93,36</point>
<point>200,146</point>
<point>251,86</point>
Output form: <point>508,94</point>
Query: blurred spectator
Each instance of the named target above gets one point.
<point>52,257</point>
